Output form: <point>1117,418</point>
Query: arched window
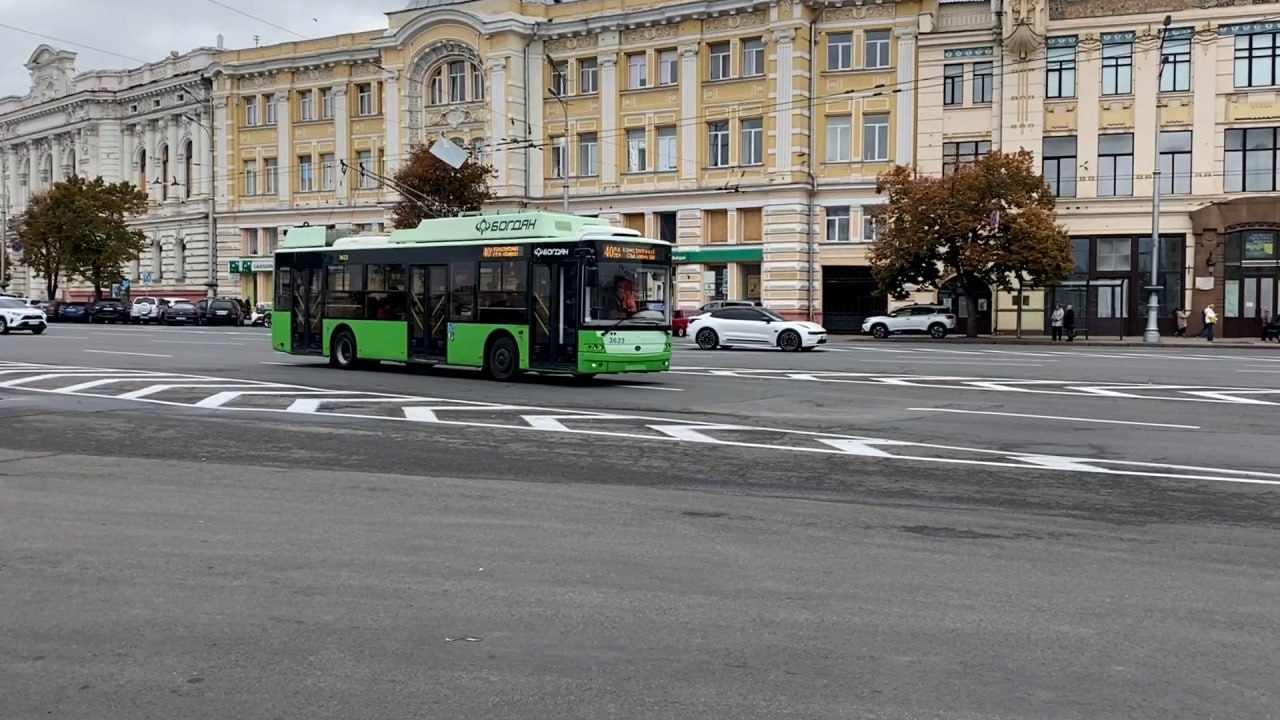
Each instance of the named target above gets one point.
<point>179,258</point>
<point>479,150</point>
<point>157,259</point>
<point>71,165</point>
<point>456,81</point>
<point>46,172</point>
<point>142,169</point>
<point>164,173</point>
<point>188,174</point>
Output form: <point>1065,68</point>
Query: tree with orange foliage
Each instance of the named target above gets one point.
<point>441,190</point>
<point>991,223</point>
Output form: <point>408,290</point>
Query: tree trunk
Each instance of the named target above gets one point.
<point>51,286</point>
<point>971,327</point>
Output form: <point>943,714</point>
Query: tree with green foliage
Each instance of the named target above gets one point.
<point>44,232</point>
<point>991,223</point>
<point>105,241</point>
<point>437,189</point>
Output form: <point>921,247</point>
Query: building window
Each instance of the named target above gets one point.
<point>872,224</point>
<point>1115,165</point>
<point>983,82</point>
<point>1060,72</point>
<point>751,151</point>
<point>668,67</point>
<point>306,177</point>
<point>876,46</point>
<point>559,157</point>
<point>959,154</point>
<point>1115,254</point>
<point>718,144</point>
<point>251,111</point>
<point>637,71</point>
<point>953,85</point>
<point>875,138</point>
<point>840,51</point>
<point>271,173</point>
<point>637,150</point>
<point>559,78</point>
<point>588,155</point>
<point>667,143</point>
<point>364,160</point>
<point>307,105</point>
<point>1059,165</point>
<point>1117,68</point>
<point>326,104</point>
<point>1175,162</point>
<point>328,172</point>
<point>250,177</point>
<point>1257,60</point>
<point>839,138</point>
<point>477,83</point>
<point>1250,161</point>
<point>720,61</point>
<point>270,103</point>
<point>1175,65</point>
<point>436,89</point>
<point>364,99</point>
<point>838,224</point>
<point>588,76</point>
<point>752,57</point>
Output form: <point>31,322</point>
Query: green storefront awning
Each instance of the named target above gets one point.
<point>739,253</point>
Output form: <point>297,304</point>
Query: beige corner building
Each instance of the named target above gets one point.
<point>1104,93</point>
<point>749,133</point>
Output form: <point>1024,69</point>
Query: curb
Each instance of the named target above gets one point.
<point>1220,344</point>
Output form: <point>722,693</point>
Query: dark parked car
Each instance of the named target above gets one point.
<point>219,311</point>
<point>108,311</point>
<point>69,312</point>
<point>180,312</point>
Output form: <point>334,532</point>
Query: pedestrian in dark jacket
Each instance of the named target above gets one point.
<point>1069,323</point>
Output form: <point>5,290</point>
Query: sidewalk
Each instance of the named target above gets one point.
<point>1166,342</point>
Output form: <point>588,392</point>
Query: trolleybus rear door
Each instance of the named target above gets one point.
<point>428,311</point>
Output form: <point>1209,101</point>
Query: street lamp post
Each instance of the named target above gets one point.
<point>564,157</point>
<point>1152,333</point>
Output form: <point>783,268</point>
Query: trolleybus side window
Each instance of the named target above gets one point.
<point>342,291</point>
<point>502,292</point>
<point>462,297</point>
<point>385,297</point>
<point>284,289</point>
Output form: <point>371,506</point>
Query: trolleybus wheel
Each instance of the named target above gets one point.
<point>342,353</point>
<point>503,362</point>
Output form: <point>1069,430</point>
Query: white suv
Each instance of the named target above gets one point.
<point>16,314</point>
<point>145,310</point>
<point>937,320</point>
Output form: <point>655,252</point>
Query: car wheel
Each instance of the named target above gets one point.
<point>938,331</point>
<point>880,331</point>
<point>503,363</point>
<point>707,339</point>
<point>343,353</point>
<point>789,341</point>
<point>266,323</point>
<point>4,326</point>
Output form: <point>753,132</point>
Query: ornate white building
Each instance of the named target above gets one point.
<point>151,126</point>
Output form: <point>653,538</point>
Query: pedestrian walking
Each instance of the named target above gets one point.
<point>1055,321</point>
<point>1210,319</point>
<point>1069,323</point>
<point>1182,315</point>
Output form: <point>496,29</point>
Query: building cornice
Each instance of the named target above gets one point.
<point>650,17</point>
<point>308,61</point>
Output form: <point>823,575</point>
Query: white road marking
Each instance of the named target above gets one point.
<point>65,337</point>
<point>904,361</point>
<point>280,398</point>
<point>118,352</point>
<point>1055,417</point>
<point>648,387</point>
<point>272,362</point>
<point>1277,372</point>
<point>196,342</point>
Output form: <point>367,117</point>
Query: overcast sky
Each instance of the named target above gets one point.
<point>124,33</point>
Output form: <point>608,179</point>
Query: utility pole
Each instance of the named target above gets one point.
<point>564,157</point>
<point>4,235</point>
<point>1152,334</point>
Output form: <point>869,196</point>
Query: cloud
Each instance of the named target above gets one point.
<point>117,34</point>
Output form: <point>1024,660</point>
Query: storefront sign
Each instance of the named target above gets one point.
<point>718,255</point>
<point>251,265</point>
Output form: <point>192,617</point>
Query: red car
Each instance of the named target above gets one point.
<point>680,322</point>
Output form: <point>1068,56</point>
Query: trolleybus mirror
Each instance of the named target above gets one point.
<point>591,276</point>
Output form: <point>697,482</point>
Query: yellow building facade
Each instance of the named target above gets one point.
<point>748,133</point>
<point>1104,92</point>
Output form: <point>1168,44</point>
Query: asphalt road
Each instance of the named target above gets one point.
<point>193,526</point>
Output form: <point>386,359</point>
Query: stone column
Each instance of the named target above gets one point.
<point>128,148</point>
<point>905,146</point>
<point>342,142</point>
<point>149,171</point>
<point>784,41</point>
<point>13,189</point>
<point>173,141</point>
<point>284,148</point>
<point>23,184</point>
<point>391,115</point>
<point>194,181</point>
<point>497,71</point>
<point>689,84</point>
<point>608,64</point>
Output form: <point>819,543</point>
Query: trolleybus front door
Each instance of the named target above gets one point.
<point>307,313</point>
<point>553,320</point>
<point>428,311</point>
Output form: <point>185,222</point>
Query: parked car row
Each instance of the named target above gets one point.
<point>162,311</point>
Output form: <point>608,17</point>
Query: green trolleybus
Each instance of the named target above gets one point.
<point>506,292</point>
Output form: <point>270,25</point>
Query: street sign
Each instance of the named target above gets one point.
<point>146,278</point>
<point>233,266</point>
<point>124,285</point>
